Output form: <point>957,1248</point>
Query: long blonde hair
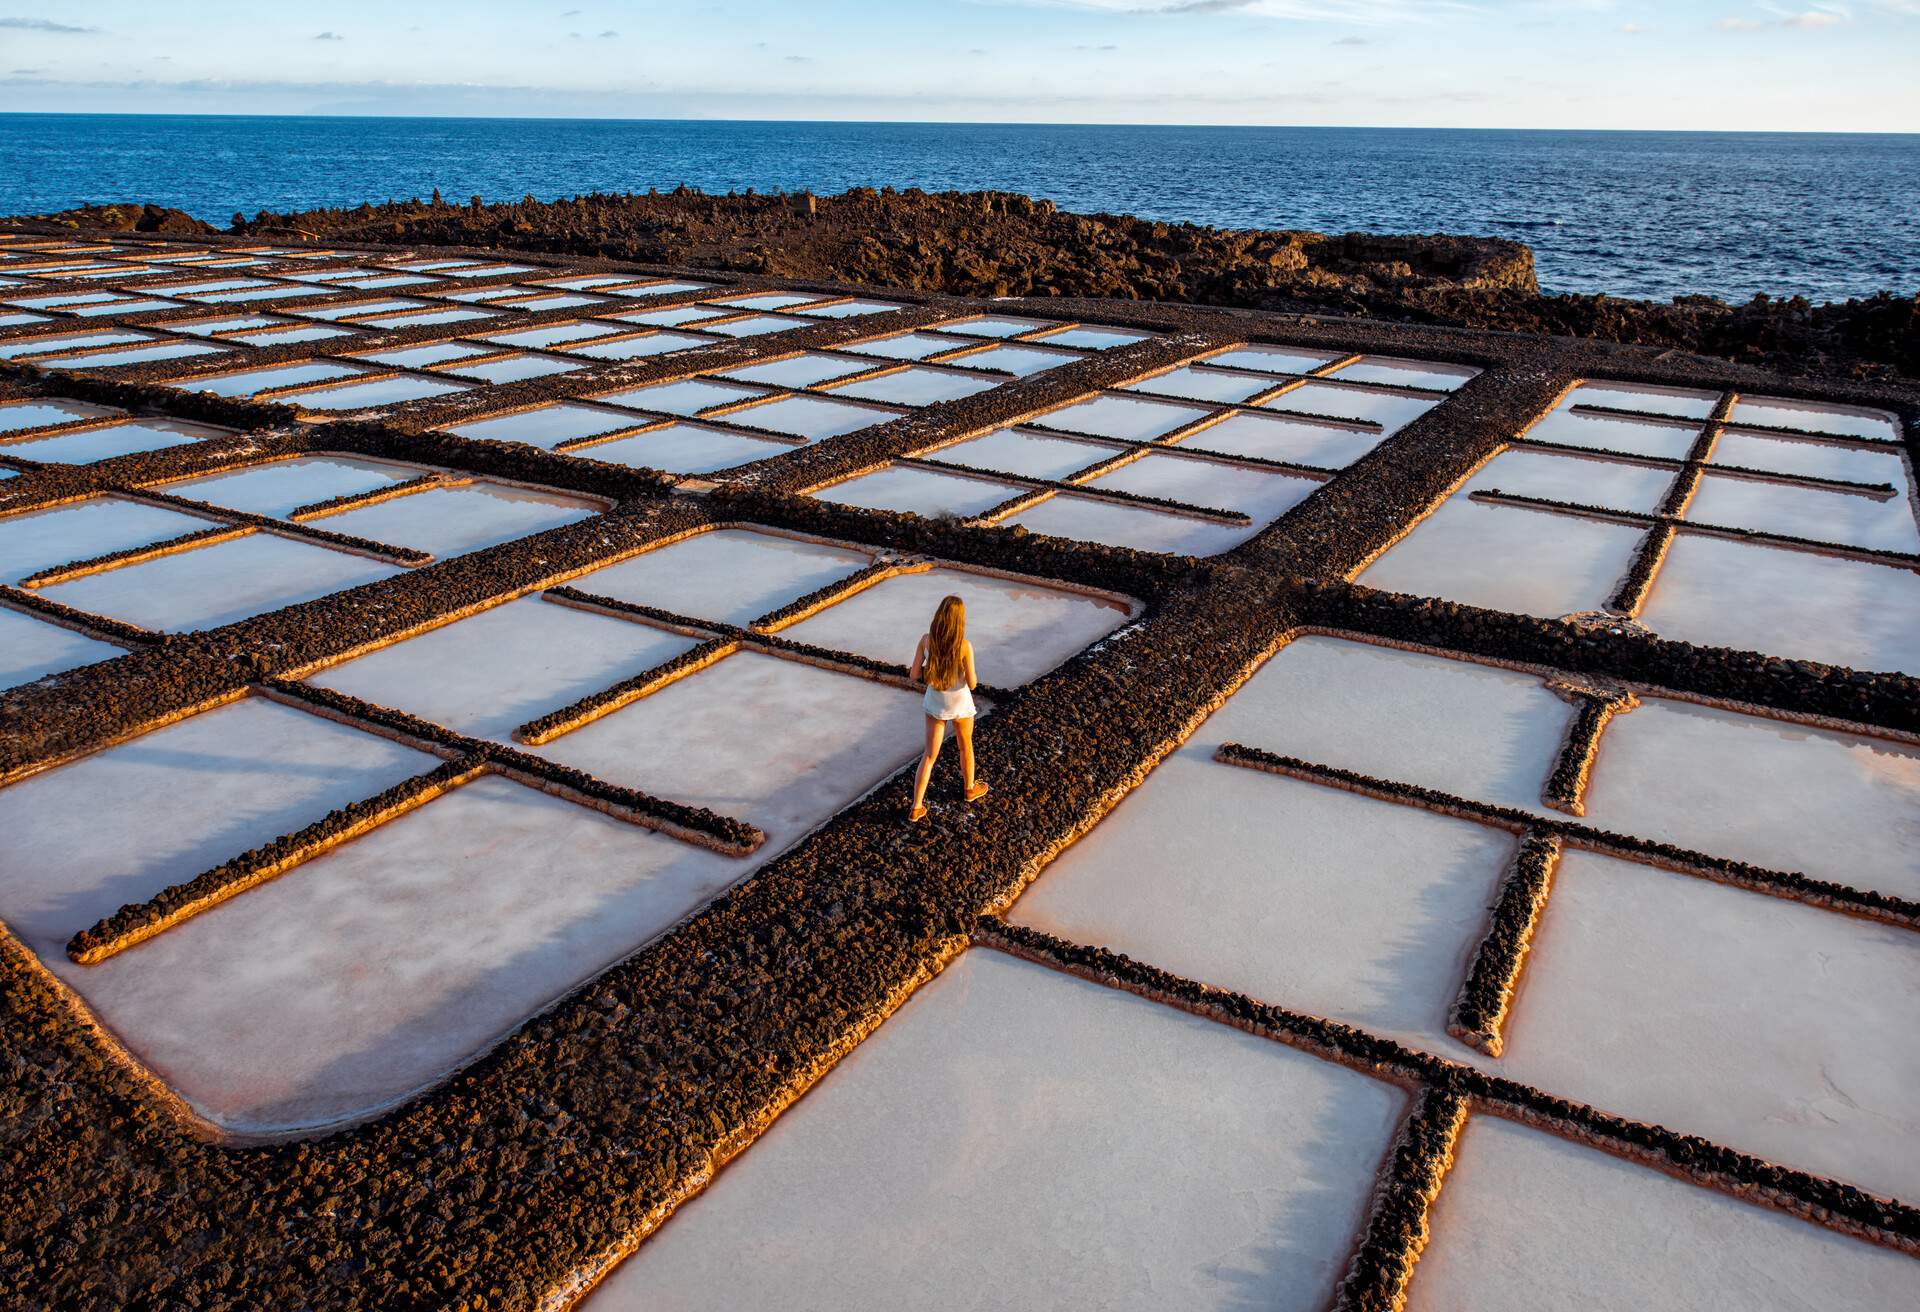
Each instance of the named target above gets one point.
<point>945,637</point>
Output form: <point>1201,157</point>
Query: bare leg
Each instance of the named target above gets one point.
<point>963,730</point>
<point>936,734</point>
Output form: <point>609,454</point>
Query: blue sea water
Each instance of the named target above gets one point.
<point>1645,214</point>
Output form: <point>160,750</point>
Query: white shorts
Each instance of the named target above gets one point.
<point>953,704</point>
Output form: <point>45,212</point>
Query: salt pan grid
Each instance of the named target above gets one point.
<point>1671,507</point>
<point>615,683</point>
<point>1579,807</point>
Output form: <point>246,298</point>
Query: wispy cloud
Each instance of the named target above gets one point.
<point>46,25</point>
<point>1813,19</point>
<point>328,36</point>
<point>1368,13</point>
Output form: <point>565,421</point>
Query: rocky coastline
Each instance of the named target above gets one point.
<point>993,243</point>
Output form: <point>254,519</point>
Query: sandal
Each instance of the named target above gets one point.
<point>978,791</point>
<point>916,815</point>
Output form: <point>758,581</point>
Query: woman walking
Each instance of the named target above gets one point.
<point>944,663</point>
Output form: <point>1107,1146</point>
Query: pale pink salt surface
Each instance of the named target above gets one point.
<point>800,370</point>
<point>252,381</point>
<point>1274,359</point>
<point>811,417</point>
<point>1091,337</point>
<point>1815,417</point>
<point>1785,454</point>
<point>1530,562</point>
<point>1530,1222</point>
<point>906,346</point>
<point>1778,1028</point>
<point>1477,731</point>
<point>1837,806</point>
<point>1019,629</point>
<point>381,391</point>
<point>85,838</point>
<point>96,444</point>
<point>206,587</point>
<point>1014,1137</point>
<point>61,535</point>
<point>777,743</point>
<point>16,416</point>
<point>1203,384</point>
<point>1641,437</point>
<point>682,448</point>
<point>1015,451</point>
<point>448,521</point>
<point>733,575</point>
<point>1688,402</point>
<point>490,673</point>
<point>1806,512</point>
<point>1301,894</point>
<point>1719,593</point>
<point>1020,361</point>
<point>1263,495</point>
<point>1119,525</point>
<point>1284,437</point>
<point>1131,418</point>
<point>1430,374</point>
<point>549,425</point>
<point>1613,484</point>
<point>31,647</point>
<point>512,369</point>
<point>928,492</point>
<point>279,487</point>
<point>918,385</point>
<point>1291,892</point>
<point>685,397</point>
<point>1391,410</point>
<point>994,325</point>
<point>360,977</point>
<point>134,355</point>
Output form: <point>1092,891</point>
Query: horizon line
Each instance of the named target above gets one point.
<point>972,123</point>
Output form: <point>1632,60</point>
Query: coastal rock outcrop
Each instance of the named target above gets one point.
<point>995,243</point>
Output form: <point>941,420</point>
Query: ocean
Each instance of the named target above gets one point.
<point>1640,214</point>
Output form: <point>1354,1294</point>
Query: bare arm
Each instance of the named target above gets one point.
<point>919,659</point>
<point>967,661</point>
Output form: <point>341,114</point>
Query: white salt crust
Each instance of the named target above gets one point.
<point>1530,1222</point>
<point>1836,806</point>
<point>31,648</point>
<point>777,743</point>
<point>1716,592</point>
<point>350,982</point>
<point>1019,629</point>
<point>209,586</point>
<point>733,575</point>
<point>492,672</point>
<point>1778,1028</point>
<point>1014,1137</point>
<point>1508,558</point>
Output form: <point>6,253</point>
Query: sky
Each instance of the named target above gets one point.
<point>1714,65</point>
